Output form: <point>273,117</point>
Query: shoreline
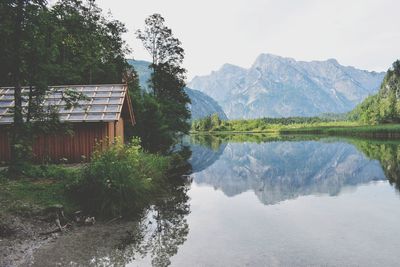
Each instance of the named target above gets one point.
<point>389,131</point>
<point>20,238</point>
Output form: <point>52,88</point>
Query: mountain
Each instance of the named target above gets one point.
<point>278,171</point>
<point>276,86</point>
<point>202,105</point>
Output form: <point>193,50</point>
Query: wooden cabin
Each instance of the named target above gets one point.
<point>98,119</point>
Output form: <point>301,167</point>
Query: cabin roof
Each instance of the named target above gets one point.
<point>104,103</point>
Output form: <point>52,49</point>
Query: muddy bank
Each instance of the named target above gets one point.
<point>28,242</point>
<point>99,245</point>
<point>20,237</point>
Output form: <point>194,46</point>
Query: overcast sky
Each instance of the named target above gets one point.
<point>361,33</point>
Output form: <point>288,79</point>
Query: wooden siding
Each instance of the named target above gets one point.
<point>119,129</point>
<point>77,147</point>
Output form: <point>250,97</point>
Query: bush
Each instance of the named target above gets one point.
<point>119,180</point>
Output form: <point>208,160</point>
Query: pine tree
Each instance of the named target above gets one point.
<point>168,78</point>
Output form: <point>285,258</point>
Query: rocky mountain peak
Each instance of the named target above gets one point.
<point>276,86</point>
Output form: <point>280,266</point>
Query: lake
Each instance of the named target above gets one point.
<point>255,200</point>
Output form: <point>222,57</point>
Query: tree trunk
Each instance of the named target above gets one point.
<point>17,154</point>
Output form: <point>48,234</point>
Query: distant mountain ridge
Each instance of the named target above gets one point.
<point>276,86</point>
<point>202,105</point>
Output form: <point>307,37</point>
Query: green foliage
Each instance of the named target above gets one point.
<point>42,186</point>
<point>29,197</point>
<point>51,171</point>
<point>383,107</point>
<point>208,123</point>
<point>150,122</point>
<point>70,42</point>
<point>214,124</point>
<point>385,131</point>
<point>387,153</point>
<point>165,112</point>
<point>119,180</point>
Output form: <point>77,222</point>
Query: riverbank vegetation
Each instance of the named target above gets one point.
<point>118,181</point>
<point>312,125</point>
<point>272,125</point>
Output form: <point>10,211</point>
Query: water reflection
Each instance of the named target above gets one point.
<point>280,170</point>
<point>151,239</point>
<point>206,149</point>
<point>387,153</point>
<point>273,169</point>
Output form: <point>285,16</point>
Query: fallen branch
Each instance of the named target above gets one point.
<point>57,230</point>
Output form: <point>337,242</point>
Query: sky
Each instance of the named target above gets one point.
<point>361,33</point>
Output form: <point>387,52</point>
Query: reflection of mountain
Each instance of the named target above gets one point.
<point>203,157</point>
<point>278,171</point>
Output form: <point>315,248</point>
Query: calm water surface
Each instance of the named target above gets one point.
<point>260,202</point>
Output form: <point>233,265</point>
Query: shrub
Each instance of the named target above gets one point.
<point>119,179</point>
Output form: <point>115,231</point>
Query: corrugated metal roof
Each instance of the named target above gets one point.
<point>104,102</point>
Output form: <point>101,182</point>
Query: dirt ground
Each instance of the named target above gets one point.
<point>20,237</point>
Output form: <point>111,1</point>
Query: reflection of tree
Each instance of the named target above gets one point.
<point>387,153</point>
<point>161,231</point>
<point>215,140</point>
<point>207,140</point>
<point>171,227</point>
<point>166,223</point>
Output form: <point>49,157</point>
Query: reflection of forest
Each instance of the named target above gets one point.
<point>387,153</point>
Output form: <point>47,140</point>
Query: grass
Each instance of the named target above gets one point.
<point>28,196</point>
<point>371,131</point>
<point>120,180</point>
<point>333,128</point>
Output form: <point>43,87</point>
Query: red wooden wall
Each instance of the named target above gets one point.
<point>77,147</point>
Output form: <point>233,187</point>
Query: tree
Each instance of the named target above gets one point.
<point>167,80</point>
<point>383,107</point>
<point>20,40</point>
<point>69,43</point>
<point>215,121</point>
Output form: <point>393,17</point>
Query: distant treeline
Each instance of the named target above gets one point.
<point>214,123</point>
